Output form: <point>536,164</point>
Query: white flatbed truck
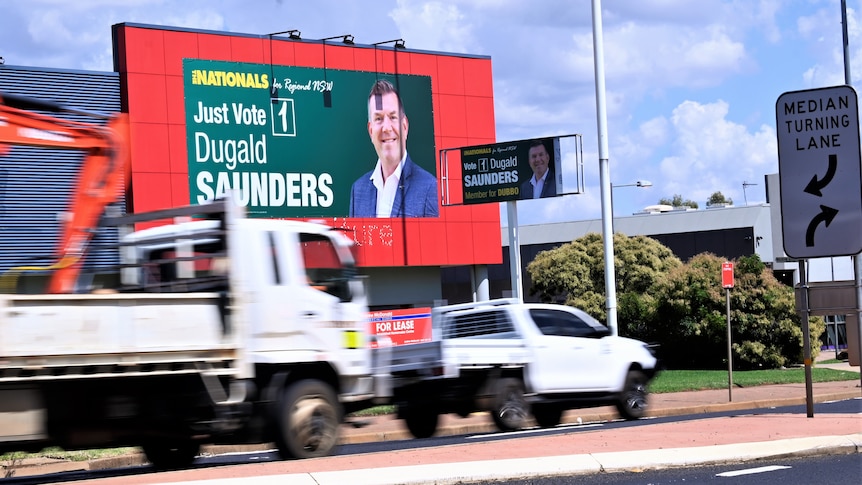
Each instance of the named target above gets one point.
<point>223,329</point>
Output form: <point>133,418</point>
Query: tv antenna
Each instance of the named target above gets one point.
<point>745,185</point>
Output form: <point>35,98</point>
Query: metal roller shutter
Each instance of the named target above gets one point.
<point>36,183</point>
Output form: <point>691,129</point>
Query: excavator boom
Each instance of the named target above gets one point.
<point>101,179</point>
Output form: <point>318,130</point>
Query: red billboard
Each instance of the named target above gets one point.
<point>284,121</point>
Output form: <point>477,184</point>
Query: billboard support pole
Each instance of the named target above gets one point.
<point>514,250</point>
<point>480,284</point>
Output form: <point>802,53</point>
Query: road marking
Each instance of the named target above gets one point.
<point>752,471</point>
<point>534,430</point>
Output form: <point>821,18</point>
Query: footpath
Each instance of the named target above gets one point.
<point>748,436</point>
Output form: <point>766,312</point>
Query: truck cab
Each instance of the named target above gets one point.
<point>293,284</point>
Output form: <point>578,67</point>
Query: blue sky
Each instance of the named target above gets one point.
<point>691,85</point>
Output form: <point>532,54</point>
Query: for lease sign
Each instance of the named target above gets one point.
<point>402,326</point>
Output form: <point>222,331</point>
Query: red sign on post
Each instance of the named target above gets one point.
<point>727,275</point>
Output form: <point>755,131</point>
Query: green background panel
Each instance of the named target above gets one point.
<point>329,140</point>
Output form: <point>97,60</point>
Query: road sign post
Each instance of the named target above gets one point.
<point>819,172</point>
<point>727,284</point>
<point>820,181</point>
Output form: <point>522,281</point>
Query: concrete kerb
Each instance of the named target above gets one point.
<point>570,465</point>
<point>718,454</point>
<point>40,466</point>
<point>742,405</point>
<point>46,466</point>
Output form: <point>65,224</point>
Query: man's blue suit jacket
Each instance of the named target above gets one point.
<point>416,196</point>
<point>548,190</point>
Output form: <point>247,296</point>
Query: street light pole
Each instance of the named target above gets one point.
<point>639,183</point>
<point>604,169</point>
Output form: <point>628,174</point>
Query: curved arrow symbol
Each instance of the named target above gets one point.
<point>826,215</point>
<point>814,186</point>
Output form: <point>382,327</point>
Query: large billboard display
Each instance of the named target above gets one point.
<point>303,142</point>
<point>305,129</point>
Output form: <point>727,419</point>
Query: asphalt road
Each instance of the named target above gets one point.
<point>825,469</point>
<point>262,464</point>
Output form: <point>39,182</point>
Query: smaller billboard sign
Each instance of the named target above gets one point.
<point>514,170</point>
<point>403,326</point>
<point>526,169</point>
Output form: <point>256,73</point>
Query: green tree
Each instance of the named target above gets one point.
<point>718,198</point>
<point>678,201</point>
<point>690,317</point>
<point>574,273</point>
<point>680,306</point>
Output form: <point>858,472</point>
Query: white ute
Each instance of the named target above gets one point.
<point>515,360</point>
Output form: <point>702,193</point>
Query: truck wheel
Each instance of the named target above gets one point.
<point>632,403</point>
<point>421,419</point>
<point>547,415</point>
<point>309,420</point>
<point>510,409</point>
<point>171,455</point>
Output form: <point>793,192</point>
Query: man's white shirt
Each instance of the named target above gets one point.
<point>537,185</point>
<point>386,190</point>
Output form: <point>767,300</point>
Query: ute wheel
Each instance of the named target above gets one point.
<point>547,415</point>
<point>421,419</point>
<point>632,403</point>
<point>171,455</point>
<point>510,409</point>
<point>309,419</point>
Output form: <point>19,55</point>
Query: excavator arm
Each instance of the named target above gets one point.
<point>101,178</point>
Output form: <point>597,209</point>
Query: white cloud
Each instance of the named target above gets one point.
<point>712,153</point>
<point>823,29</point>
<point>690,85</point>
<point>55,29</point>
<point>654,130</point>
<point>91,4</point>
<point>205,19</point>
<point>715,53</point>
<point>764,18</point>
<point>433,26</point>
<point>649,56</point>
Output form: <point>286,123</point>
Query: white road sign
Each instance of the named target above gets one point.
<point>819,172</point>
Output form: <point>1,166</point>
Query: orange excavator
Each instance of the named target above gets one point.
<point>101,179</point>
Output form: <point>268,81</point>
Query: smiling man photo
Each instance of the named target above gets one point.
<point>396,187</point>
